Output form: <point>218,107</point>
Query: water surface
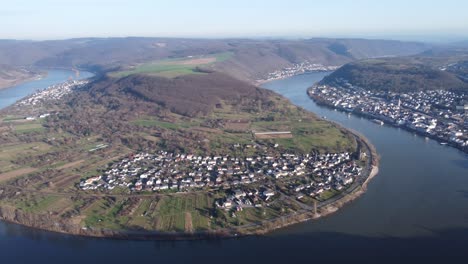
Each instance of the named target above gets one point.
<point>12,94</point>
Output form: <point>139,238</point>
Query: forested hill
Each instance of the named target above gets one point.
<point>249,60</point>
<point>395,74</point>
<point>189,95</point>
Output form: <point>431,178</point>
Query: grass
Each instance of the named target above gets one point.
<point>307,135</point>
<point>171,210</point>
<point>154,123</point>
<point>141,216</point>
<point>328,194</point>
<point>10,118</point>
<point>8,151</point>
<point>149,122</point>
<point>171,68</point>
<point>33,204</point>
<point>105,214</point>
<point>28,128</point>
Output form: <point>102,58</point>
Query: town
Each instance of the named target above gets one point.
<point>438,114</point>
<point>296,69</point>
<point>53,92</point>
<point>254,177</point>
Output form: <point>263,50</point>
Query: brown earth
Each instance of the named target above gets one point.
<point>188,222</point>
<point>16,173</point>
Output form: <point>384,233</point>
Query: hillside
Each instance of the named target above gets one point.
<point>250,60</point>
<point>10,76</point>
<point>190,95</point>
<point>396,74</point>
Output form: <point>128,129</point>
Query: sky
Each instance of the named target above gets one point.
<point>396,19</point>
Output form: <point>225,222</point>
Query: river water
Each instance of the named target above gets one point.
<point>11,95</point>
<point>416,209</point>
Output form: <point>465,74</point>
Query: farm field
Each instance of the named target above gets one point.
<point>171,68</point>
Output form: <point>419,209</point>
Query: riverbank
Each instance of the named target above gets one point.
<point>324,103</point>
<point>6,84</point>
<point>264,81</point>
<point>54,223</point>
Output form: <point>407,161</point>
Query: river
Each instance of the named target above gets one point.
<point>10,95</point>
<point>416,209</point>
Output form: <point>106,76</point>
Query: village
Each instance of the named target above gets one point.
<point>53,92</point>
<point>296,69</point>
<point>438,114</point>
<point>249,181</point>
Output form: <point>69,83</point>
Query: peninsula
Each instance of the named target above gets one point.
<point>194,156</point>
<point>175,146</point>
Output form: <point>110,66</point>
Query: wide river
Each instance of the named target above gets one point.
<point>416,209</point>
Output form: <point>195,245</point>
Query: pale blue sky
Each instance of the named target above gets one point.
<point>58,19</point>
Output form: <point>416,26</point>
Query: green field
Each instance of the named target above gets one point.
<point>171,68</point>
<point>28,128</point>
<point>39,204</point>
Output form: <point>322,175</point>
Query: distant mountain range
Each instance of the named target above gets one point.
<point>251,59</point>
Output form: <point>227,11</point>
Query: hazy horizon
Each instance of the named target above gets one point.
<point>438,21</point>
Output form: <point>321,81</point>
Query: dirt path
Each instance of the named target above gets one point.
<point>71,164</point>
<point>188,222</point>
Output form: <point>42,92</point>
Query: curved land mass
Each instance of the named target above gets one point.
<point>256,163</point>
<point>166,142</point>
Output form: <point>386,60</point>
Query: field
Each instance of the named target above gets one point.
<point>15,173</point>
<point>28,127</point>
<point>11,152</point>
<point>271,135</point>
<point>306,135</point>
<point>171,68</point>
<point>237,125</point>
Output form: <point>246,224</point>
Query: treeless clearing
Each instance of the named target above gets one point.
<point>60,206</point>
<point>270,135</point>
<point>64,181</point>
<point>237,126</point>
<point>16,173</point>
<point>207,129</point>
<point>194,61</point>
<point>188,222</point>
<point>71,164</point>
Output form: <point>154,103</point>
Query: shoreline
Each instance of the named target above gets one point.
<point>35,77</point>
<point>263,81</point>
<point>370,117</point>
<point>48,223</point>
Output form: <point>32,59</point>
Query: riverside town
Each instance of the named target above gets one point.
<point>438,114</point>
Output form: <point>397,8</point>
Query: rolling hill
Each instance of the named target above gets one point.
<point>397,74</point>
<point>250,59</point>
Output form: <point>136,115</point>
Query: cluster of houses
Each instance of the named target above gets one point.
<point>165,171</point>
<point>439,114</point>
<point>298,68</point>
<point>53,92</point>
<point>333,171</point>
<point>245,198</point>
